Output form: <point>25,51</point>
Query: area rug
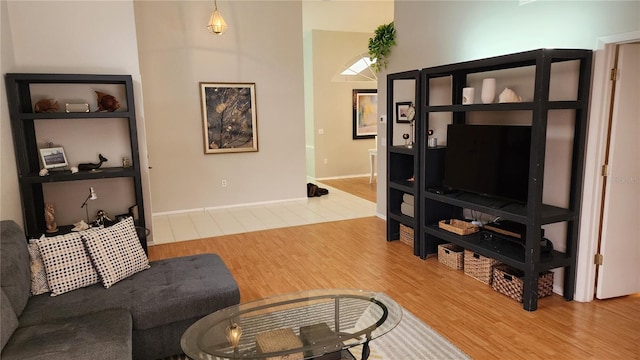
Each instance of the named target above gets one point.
<point>410,340</point>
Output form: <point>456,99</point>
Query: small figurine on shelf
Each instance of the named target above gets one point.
<point>103,219</point>
<point>46,106</point>
<point>43,172</point>
<point>50,218</point>
<point>405,136</point>
<point>93,166</point>
<point>107,102</point>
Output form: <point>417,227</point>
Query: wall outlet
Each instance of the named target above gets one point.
<point>224,183</point>
<point>383,119</point>
<point>320,131</point>
<point>326,161</point>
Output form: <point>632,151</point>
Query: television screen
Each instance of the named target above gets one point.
<point>490,160</point>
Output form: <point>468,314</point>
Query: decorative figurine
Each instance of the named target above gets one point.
<point>43,172</point>
<point>405,136</point>
<point>80,225</point>
<point>50,218</point>
<point>102,219</point>
<point>74,169</point>
<point>509,96</point>
<point>92,166</point>
<point>107,102</point>
<point>46,106</point>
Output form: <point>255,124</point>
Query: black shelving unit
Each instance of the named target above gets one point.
<point>534,213</point>
<point>403,163</point>
<point>23,124</point>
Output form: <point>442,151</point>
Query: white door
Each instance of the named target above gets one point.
<point>619,273</point>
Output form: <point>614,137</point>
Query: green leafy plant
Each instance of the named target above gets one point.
<point>380,45</point>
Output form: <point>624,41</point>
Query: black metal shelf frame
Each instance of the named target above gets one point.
<point>23,124</point>
<point>432,207</point>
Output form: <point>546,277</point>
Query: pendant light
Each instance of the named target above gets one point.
<point>217,25</point>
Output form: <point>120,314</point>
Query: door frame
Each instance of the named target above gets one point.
<point>604,60</point>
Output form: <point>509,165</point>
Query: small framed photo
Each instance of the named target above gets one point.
<point>365,113</point>
<point>229,117</point>
<point>53,157</point>
<point>402,111</point>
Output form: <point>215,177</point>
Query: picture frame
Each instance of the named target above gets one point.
<point>401,112</point>
<point>229,117</point>
<point>365,113</point>
<point>53,157</point>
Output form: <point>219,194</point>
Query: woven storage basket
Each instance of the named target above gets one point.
<point>406,235</point>
<point>451,255</point>
<point>279,340</point>
<point>479,267</point>
<point>508,281</point>
<point>458,227</point>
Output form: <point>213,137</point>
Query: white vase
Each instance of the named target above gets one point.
<point>488,90</point>
<point>468,94</point>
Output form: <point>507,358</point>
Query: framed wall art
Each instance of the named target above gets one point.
<point>53,157</point>
<point>365,113</point>
<point>229,117</point>
<point>402,114</point>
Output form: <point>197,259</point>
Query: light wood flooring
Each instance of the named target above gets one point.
<point>358,186</point>
<point>481,322</point>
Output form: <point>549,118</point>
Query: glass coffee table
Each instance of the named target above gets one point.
<point>301,325</point>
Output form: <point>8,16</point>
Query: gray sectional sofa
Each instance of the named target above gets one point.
<point>140,317</point>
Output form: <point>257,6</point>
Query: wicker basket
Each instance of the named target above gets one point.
<point>508,281</point>
<point>406,235</point>
<point>458,226</point>
<point>279,340</point>
<point>479,267</point>
<point>451,255</point>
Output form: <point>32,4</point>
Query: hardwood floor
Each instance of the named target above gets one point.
<point>358,186</point>
<point>481,322</point>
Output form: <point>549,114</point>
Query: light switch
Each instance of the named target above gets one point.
<point>383,119</point>
<point>320,131</point>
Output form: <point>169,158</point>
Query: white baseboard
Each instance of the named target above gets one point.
<point>183,211</point>
<point>343,177</point>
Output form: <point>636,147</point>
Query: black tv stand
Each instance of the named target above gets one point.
<point>539,73</point>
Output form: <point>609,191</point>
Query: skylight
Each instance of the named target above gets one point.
<point>359,66</point>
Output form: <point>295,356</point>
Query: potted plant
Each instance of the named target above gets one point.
<point>380,45</point>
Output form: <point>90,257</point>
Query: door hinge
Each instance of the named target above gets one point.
<point>614,74</point>
<point>598,259</point>
<point>605,170</point>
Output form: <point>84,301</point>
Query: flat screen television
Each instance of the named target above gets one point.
<point>491,160</point>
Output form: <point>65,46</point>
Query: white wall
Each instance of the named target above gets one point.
<point>263,45</point>
<point>332,104</point>
<point>10,206</point>
<point>86,37</point>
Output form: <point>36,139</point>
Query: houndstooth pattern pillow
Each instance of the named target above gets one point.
<point>67,263</point>
<point>39,284</point>
<point>116,252</point>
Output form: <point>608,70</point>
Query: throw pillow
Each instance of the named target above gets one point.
<point>67,264</point>
<point>116,252</point>
<point>39,284</point>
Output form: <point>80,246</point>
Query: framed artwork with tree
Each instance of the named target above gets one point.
<point>229,117</point>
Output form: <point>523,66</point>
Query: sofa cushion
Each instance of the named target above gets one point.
<point>67,263</point>
<point>39,284</point>
<point>103,335</point>
<point>9,320</point>
<point>116,252</point>
<point>171,290</point>
<point>14,265</point>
